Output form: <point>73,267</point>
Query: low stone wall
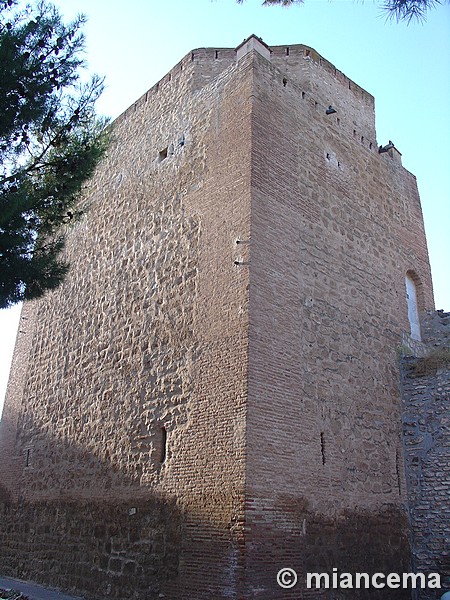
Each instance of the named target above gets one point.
<point>121,550</point>
<point>425,386</point>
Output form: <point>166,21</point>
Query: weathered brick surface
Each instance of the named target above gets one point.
<point>149,331</point>
<point>335,227</point>
<point>321,84</point>
<point>237,288</point>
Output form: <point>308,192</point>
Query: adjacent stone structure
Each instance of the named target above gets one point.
<point>426,425</point>
<point>213,393</point>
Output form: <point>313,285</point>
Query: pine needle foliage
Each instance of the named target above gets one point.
<point>50,144</point>
<point>401,10</point>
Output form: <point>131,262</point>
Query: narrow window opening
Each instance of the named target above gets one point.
<point>303,95</point>
<point>163,452</point>
<point>287,51</point>
<point>28,458</point>
<point>162,154</point>
<point>370,146</point>
<point>322,447</point>
<point>217,54</point>
<point>284,81</point>
<point>413,311</point>
<point>192,56</point>
<point>338,121</point>
<point>362,139</point>
<point>354,132</point>
<point>397,469</point>
<point>316,104</point>
<point>328,156</point>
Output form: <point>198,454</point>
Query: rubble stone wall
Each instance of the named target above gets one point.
<point>425,387</point>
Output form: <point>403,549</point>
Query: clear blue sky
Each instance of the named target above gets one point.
<point>406,68</point>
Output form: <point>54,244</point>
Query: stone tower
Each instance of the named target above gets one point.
<point>213,394</point>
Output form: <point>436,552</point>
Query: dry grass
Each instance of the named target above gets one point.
<point>434,360</point>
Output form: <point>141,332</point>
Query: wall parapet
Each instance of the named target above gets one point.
<point>310,54</point>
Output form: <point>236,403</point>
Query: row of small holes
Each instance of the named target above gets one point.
<point>316,104</point>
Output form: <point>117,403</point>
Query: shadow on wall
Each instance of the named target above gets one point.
<point>355,541</point>
<point>92,529</point>
<point>143,545</point>
<point>103,548</point>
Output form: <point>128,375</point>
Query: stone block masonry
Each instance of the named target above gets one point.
<point>212,394</point>
<point>106,549</point>
<point>425,386</point>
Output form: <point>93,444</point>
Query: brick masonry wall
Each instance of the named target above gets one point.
<point>321,84</point>
<point>145,340</point>
<point>426,430</point>
<point>335,227</point>
<point>222,354</point>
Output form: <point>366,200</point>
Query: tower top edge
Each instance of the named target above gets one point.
<point>279,52</point>
<point>230,55</point>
